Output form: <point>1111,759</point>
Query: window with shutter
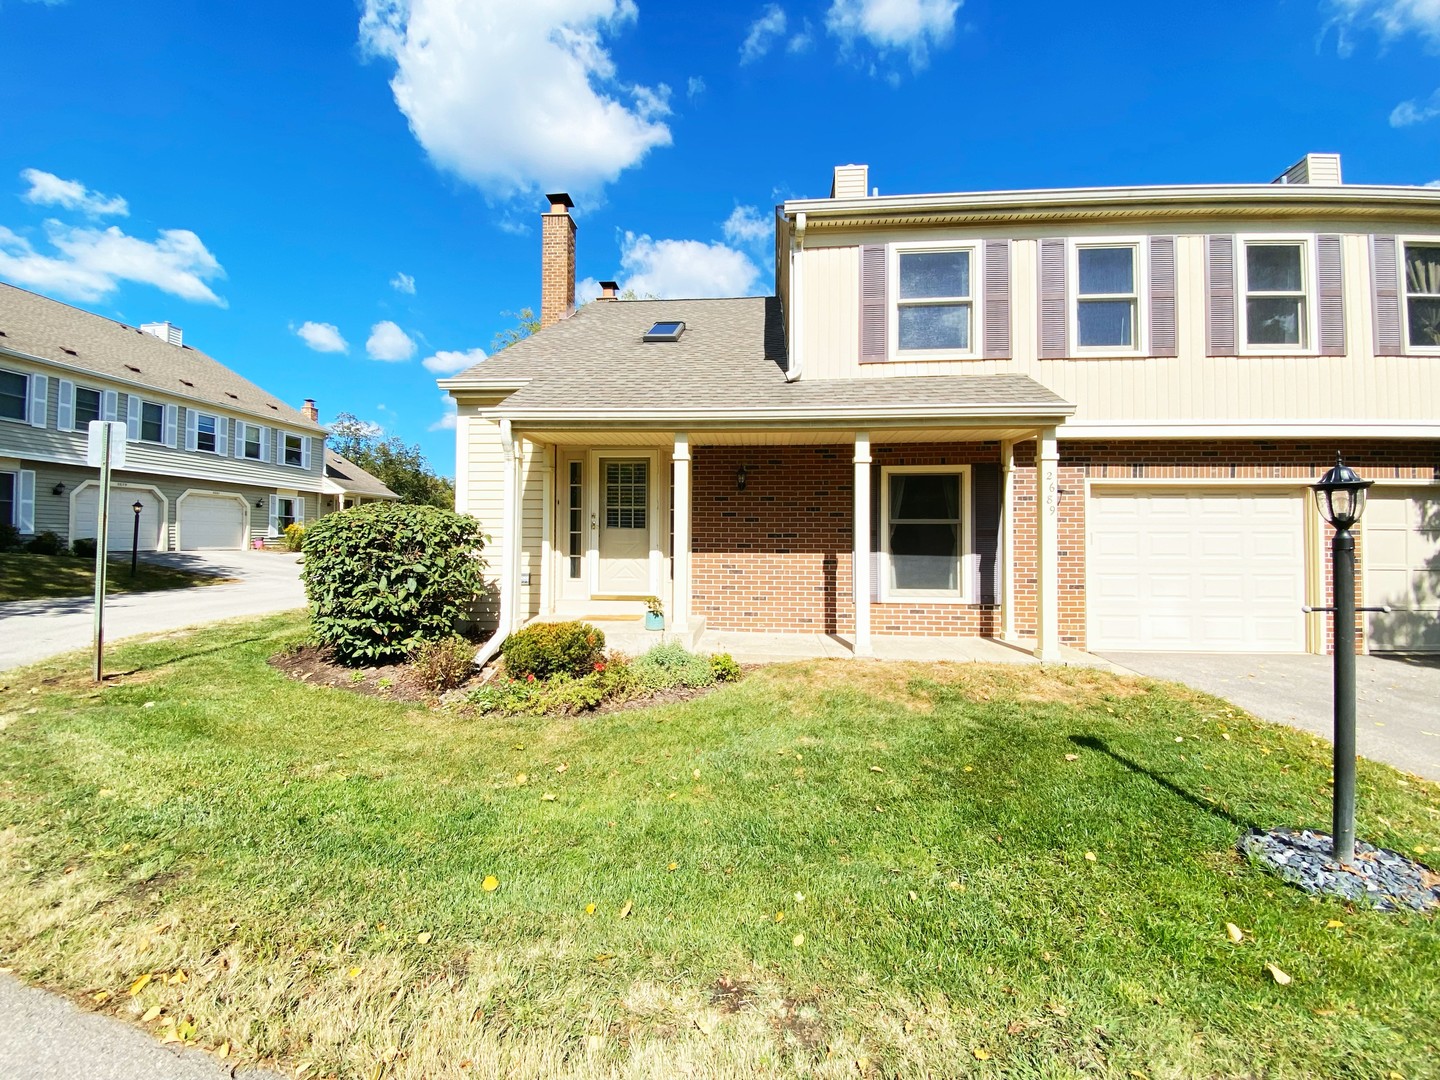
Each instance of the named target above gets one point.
<point>88,406</point>
<point>925,533</point>
<point>1106,301</point>
<point>1422,294</point>
<point>14,395</point>
<point>934,295</point>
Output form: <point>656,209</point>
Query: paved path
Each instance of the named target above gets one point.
<point>1397,698</point>
<point>33,630</point>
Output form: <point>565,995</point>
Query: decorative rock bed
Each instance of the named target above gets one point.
<point>1386,879</point>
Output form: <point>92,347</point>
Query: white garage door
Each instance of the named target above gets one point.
<point>122,517</point>
<point>1402,569</point>
<point>211,523</point>
<point>1200,571</point>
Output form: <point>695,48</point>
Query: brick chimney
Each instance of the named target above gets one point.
<point>309,411</point>
<point>609,290</point>
<point>557,261</point>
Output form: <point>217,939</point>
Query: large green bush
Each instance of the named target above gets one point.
<point>383,577</point>
<point>548,649</point>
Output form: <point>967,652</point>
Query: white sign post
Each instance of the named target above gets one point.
<point>105,451</point>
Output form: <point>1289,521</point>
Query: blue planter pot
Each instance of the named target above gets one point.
<point>653,621</point>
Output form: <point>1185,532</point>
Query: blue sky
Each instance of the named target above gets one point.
<point>340,199</point>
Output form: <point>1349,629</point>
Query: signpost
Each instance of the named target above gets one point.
<point>105,451</point>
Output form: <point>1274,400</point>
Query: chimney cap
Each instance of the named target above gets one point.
<point>608,289</point>
<point>560,202</point>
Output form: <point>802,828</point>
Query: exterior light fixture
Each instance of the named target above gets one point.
<point>1340,495</point>
<point>740,478</point>
<point>58,489</point>
<point>138,507</point>
<point>260,504</point>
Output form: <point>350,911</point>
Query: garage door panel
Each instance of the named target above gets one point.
<point>122,518</point>
<point>1402,570</point>
<point>211,523</point>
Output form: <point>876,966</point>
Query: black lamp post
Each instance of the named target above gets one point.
<point>137,506</point>
<point>1340,495</point>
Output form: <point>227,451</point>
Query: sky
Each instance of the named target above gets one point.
<point>340,200</point>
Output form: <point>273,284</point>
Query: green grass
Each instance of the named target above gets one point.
<point>313,862</point>
<point>45,577</point>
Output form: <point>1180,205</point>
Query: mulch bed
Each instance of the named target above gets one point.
<point>1383,878</point>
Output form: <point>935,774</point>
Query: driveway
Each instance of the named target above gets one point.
<point>33,630</point>
<point>1397,697</point>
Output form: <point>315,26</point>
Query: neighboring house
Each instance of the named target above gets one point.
<point>347,484</point>
<point>1084,417</point>
<point>214,461</point>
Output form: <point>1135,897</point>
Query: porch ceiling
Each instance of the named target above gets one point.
<point>664,438</point>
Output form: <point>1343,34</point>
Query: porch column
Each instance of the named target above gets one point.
<point>860,574</point>
<point>680,556</point>
<point>1047,537</point>
<point>1007,541</point>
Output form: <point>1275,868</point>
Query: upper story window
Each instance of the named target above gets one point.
<point>1107,301</point>
<point>152,422</point>
<point>87,407</point>
<point>1422,295</point>
<point>14,395</point>
<point>205,426</point>
<point>1276,312</point>
<point>295,450</point>
<point>249,439</point>
<point>934,300</point>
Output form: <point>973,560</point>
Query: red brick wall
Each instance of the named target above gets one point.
<point>557,267</point>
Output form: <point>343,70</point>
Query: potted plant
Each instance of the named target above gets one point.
<point>654,613</point>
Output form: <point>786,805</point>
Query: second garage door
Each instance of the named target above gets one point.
<point>211,523</point>
<point>1200,571</point>
<point>1402,569</point>
<point>122,517</point>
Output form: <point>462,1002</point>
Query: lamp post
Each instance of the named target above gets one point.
<point>137,506</point>
<point>1340,495</point>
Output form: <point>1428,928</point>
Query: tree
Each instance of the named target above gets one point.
<point>401,468</point>
<point>525,324</point>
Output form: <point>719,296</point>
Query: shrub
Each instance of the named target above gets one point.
<point>444,663</point>
<point>548,649</point>
<point>294,536</point>
<point>724,667</point>
<point>609,680</point>
<point>9,537</point>
<point>383,577</point>
<point>670,665</point>
<point>84,548</point>
<point>46,543</point>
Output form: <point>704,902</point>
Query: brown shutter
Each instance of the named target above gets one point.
<point>1163,340</point>
<point>1053,320</point>
<point>986,495</point>
<point>874,304</point>
<point>1220,320</point>
<point>1385,276</point>
<point>997,300</point>
<point>1332,296</point>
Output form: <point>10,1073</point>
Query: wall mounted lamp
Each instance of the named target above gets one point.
<point>740,478</point>
<point>58,489</point>
<point>259,504</point>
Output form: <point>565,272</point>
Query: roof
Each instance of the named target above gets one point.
<point>352,479</point>
<point>729,361</point>
<point>36,326</point>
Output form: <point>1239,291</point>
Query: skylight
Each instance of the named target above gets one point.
<point>665,331</point>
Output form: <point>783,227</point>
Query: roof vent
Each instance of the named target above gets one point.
<point>68,352</point>
<point>273,405</point>
<point>165,332</point>
<point>132,367</point>
<point>664,331</point>
<point>187,382</point>
<point>231,396</point>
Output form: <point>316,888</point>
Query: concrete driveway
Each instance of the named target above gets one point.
<point>33,630</point>
<point>1397,697</point>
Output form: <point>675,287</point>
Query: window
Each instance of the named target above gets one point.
<point>295,450</point>
<point>1275,312</point>
<point>924,530</point>
<point>574,507</point>
<point>933,301</point>
<point>87,407</point>
<point>626,494</point>
<point>1107,303</point>
<point>7,498</point>
<point>205,433</point>
<point>1422,294</point>
<point>152,422</point>
<point>247,437</point>
<point>664,331</point>
<point>14,393</point>
<point>287,512</point>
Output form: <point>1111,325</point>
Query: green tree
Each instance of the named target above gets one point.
<point>403,469</point>
<point>525,324</point>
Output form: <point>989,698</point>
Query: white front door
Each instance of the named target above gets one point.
<point>622,525</point>
<point>1402,569</point>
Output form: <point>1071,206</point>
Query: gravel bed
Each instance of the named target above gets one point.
<point>1385,879</point>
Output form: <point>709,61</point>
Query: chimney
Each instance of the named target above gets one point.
<point>557,261</point>
<point>165,332</point>
<point>1323,169</point>
<point>851,182</point>
<point>608,289</point>
<point>309,411</point>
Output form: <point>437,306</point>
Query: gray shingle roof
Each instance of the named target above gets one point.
<point>730,357</point>
<point>355,480</point>
<point>38,326</point>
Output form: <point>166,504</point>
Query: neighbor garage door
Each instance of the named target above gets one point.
<point>1202,571</point>
<point>211,523</point>
<point>1402,569</point>
<point>122,517</point>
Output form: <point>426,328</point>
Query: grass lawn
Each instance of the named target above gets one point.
<point>45,577</point>
<point>829,869</point>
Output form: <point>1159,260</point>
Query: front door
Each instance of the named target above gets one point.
<point>622,565</point>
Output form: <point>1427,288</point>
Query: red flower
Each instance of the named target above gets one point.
<point>530,677</point>
<point>599,665</point>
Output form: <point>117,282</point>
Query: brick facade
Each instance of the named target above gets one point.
<point>557,265</point>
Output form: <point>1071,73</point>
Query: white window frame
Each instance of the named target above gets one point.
<point>976,299</point>
<point>1309,276</point>
<point>75,424</point>
<point>962,595</point>
<point>242,436</point>
<point>214,432</point>
<point>24,417</point>
<point>1404,293</point>
<point>285,438</point>
<point>292,500</point>
<point>140,423</point>
<point>1141,246</point>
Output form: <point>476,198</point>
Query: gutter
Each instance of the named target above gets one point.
<point>796,363</point>
<point>941,413</point>
<point>509,506</point>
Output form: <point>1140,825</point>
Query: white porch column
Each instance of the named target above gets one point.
<point>1047,537</point>
<point>680,556</point>
<point>1007,540</point>
<point>861,572</point>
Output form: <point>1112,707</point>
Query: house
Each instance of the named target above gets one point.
<point>214,461</point>
<point>347,484</point>
<point>1081,417</point>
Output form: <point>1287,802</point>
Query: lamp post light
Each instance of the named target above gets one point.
<point>1340,495</point>
<point>137,506</point>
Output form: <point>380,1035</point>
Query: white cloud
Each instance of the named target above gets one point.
<point>91,263</point>
<point>404,283</point>
<point>671,269</point>
<point>1392,18</point>
<point>1412,112</point>
<point>388,342</point>
<point>764,32</point>
<point>909,26</point>
<point>746,225</point>
<point>322,337</point>
<point>517,97</point>
<point>449,362</point>
<point>447,417</point>
<point>694,87</point>
<point>802,41</point>
<point>47,189</point>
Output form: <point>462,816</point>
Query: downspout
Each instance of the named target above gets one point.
<point>797,309</point>
<point>507,515</point>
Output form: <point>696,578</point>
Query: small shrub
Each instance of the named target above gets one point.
<point>609,680</point>
<point>294,536</point>
<point>46,543</point>
<point>84,548</point>
<point>670,665</point>
<point>443,664</point>
<point>545,650</point>
<point>724,667</point>
<point>9,537</point>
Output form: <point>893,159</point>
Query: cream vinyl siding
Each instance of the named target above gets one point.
<point>1190,387</point>
<point>479,492</point>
